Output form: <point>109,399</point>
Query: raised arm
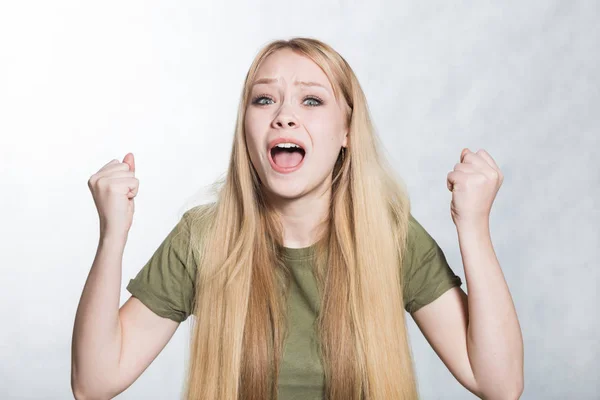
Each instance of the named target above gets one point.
<point>111,347</point>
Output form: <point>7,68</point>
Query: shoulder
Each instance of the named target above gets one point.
<point>419,241</point>
<point>189,231</point>
<point>197,219</point>
<point>421,248</point>
<point>193,227</point>
<point>426,272</point>
<point>198,212</point>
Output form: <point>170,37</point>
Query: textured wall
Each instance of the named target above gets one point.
<point>83,83</point>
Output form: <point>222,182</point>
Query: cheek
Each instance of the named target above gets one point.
<point>251,131</point>
<point>249,124</point>
<point>326,134</point>
<point>253,147</point>
<point>253,143</point>
<point>325,121</point>
<point>255,124</point>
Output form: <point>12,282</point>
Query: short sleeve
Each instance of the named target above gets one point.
<point>426,272</point>
<point>165,284</point>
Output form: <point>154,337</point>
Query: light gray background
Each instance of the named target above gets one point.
<point>82,83</point>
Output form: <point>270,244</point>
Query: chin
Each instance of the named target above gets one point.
<point>286,190</point>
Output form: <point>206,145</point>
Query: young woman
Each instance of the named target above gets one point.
<point>299,272</point>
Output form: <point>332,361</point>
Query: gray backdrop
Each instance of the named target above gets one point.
<point>83,83</point>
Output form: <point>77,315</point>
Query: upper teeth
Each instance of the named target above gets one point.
<point>287,145</point>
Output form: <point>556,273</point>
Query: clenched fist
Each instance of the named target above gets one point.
<point>113,188</point>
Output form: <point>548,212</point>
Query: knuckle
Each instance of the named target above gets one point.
<point>102,182</point>
<point>111,188</point>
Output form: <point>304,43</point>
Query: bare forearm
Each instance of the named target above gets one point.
<point>96,343</point>
<point>494,340</point>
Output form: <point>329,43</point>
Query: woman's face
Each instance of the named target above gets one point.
<point>291,98</point>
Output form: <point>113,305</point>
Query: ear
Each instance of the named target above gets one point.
<point>345,142</point>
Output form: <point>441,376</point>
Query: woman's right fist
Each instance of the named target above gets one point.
<point>113,188</point>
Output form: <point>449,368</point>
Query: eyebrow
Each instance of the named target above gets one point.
<point>297,83</point>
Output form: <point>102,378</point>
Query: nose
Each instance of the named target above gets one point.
<point>285,119</point>
<point>279,122</point>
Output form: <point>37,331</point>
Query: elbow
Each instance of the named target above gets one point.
<point>82,394</point>
<point>511,395</point>
<point>507,394</point>
<point>85,392</point>
<point>75,386</point>
<point>79,392</point>
<point>519,390</point>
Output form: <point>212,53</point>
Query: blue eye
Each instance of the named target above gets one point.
<point>319,102</point>
<point>258,100</point>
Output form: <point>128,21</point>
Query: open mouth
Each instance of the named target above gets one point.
<point>287,156</point>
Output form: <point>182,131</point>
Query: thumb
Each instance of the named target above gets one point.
<point>463,153</point>
<point>130,161</point>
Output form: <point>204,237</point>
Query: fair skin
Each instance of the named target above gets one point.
<point>138,335</point>
<point>477,336</point>
<point>309,113</point>
<point>484,354</point>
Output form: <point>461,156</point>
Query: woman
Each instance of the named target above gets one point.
<point>298,273</point>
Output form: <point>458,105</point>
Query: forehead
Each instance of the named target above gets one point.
<point>287,66</point>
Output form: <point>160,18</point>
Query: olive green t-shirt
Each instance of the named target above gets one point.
<point>165,284</point>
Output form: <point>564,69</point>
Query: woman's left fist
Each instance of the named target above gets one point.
<point>474,183</point>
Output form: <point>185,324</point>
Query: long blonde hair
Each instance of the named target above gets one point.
<point>239,307</point>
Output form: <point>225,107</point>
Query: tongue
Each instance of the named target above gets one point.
<point>286,159</point>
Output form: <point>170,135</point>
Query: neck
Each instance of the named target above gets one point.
<point>300,217</point>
